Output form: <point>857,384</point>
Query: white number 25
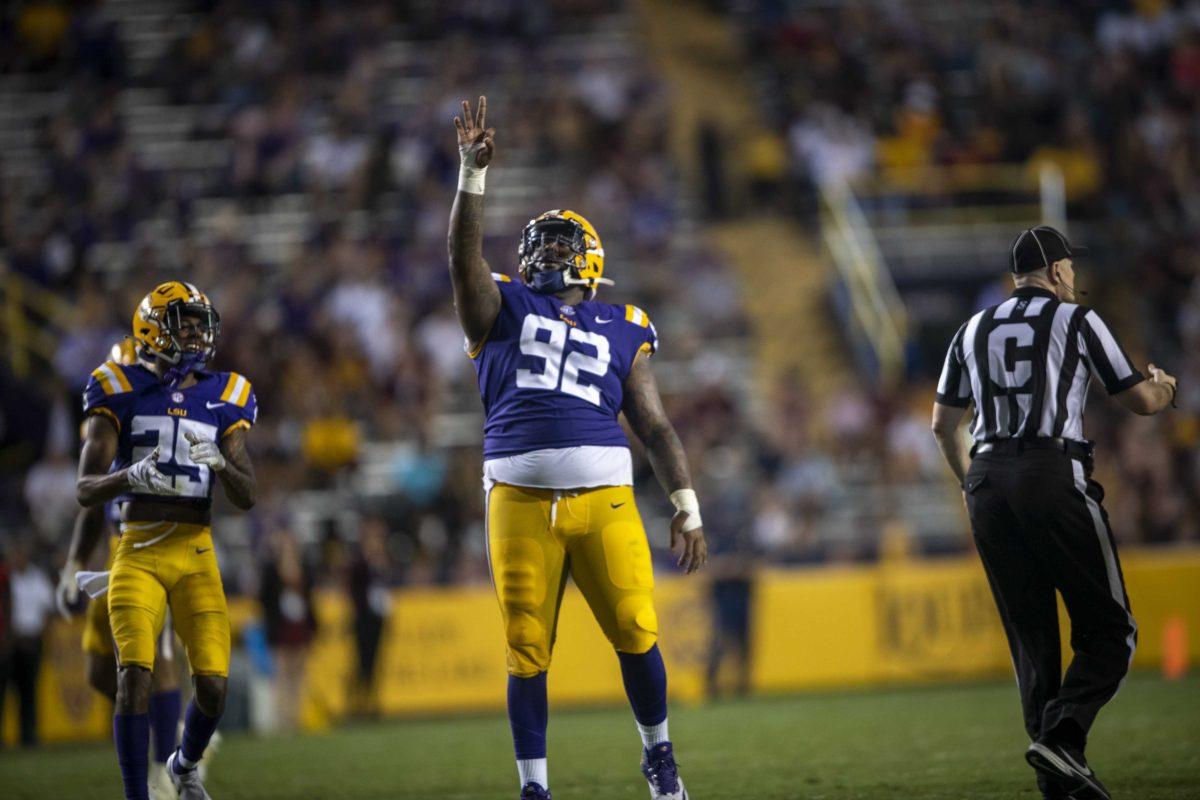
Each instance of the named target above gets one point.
<point>173,448</point>
<point>551,352</point>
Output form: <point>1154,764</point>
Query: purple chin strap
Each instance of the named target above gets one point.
<point>188,363</point>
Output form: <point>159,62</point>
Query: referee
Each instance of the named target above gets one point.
<point>1035,512</point>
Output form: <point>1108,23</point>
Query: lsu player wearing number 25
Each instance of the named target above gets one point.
<point>555,368</point>
<point>159,433</point>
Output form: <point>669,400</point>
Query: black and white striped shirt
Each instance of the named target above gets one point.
<point>1027,364</point>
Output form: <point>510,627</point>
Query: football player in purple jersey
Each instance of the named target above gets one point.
<point>100,656</point>
<point>159,434</point>
<point>556,368</point>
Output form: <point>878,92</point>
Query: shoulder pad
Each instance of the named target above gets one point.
<point>237,389</point>
<point>112,379</point>
<point>637,316</point>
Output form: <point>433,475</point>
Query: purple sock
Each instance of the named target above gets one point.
<point>528,712</point>
<point>645,679</point>
<point>164,722</point>
<point>198,728</point>
<point>131,732</point>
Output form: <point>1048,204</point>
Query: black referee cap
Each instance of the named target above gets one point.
<point>1038,248</point>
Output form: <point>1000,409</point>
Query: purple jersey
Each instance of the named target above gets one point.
<point>147,414</point>
<point>552,375</point>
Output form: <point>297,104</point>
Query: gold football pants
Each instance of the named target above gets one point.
<point>536,536</point>
<point>161,564</point>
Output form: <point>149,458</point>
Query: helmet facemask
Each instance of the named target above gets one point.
<point>181,318</point>
<point>186,351</point>
<point>552,253</point>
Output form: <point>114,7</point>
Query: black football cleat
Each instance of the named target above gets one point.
<point>1066,768</point>
<point>534,791</point>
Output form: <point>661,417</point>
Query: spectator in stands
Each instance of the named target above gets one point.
<point>303,189</point>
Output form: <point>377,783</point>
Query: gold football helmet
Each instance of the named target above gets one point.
<point>546,271</point>
<point>158,321</point>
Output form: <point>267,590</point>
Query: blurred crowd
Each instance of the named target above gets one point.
<point>1109,91</point>
<point>334,126</point>
<point>296,161</point>
<point>318,229</point>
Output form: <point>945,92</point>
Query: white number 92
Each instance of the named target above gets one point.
<point>555,367</point>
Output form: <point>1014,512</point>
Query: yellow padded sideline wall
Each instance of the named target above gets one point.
<point>822,627</point>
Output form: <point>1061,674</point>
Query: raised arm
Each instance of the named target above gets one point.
<point>476,298</point>
<point>644,410</point>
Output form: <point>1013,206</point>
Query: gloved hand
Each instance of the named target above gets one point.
<point>145,477</point>
<point>205,452</point>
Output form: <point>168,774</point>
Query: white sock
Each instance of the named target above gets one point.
<point>184,762</point>
<point>533,769</point>
<point>653,734</point>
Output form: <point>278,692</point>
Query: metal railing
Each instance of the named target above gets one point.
<point>922,208</point>
<point>33,321</point>
<point>876,311</point>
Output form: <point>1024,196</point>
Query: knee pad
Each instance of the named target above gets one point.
<point>637,624</point>
<point>528,644</point>
<point>523,629</point>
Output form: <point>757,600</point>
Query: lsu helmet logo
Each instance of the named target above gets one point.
<point>560,249</point>
<point>158,322</point>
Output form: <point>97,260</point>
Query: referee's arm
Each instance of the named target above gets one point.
<point>946,421</point>
<point>1114,368</point>
<point>953,398</point>
<point>1149,396</point>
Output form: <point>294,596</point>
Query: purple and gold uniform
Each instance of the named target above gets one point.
<point>551,375</point>
<point>159,563</point>
<point>97,630</point>
<point>557,470</point>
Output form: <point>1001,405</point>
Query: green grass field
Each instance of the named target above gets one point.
<point>943,742</point>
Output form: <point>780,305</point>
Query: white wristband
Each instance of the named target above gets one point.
<point>685,500</point>
<point>470,177</point>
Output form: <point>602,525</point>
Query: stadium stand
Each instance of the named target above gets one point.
<point>295,163</point>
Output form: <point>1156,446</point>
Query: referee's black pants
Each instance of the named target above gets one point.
<point>1039,526</point>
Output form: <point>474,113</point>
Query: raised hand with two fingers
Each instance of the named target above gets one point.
<point>476,142</point>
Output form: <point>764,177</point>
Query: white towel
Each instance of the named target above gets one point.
<point>93,584</point>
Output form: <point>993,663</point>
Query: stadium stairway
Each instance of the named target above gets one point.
<point>795,331</point>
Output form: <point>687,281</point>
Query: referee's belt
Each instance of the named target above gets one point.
<point>1072,448</point>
